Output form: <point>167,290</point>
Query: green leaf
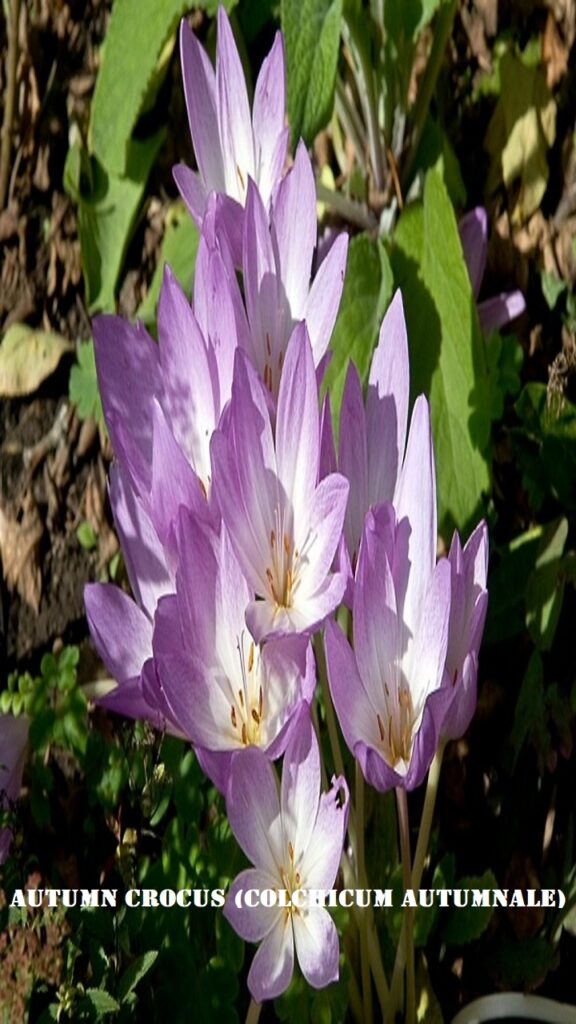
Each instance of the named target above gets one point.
<point>507,586</point>
<point>546,446</point>
<point>522,129</point>
<point>135,972</point>
<point>106,218</point>
<point>312,36</point>
<point>179,247</point>
<point>137,33</point>
<point>367,292</point>
<point>86,536</point>
<point>100,1001</point>
<point>436,152</point>
<point>27,358</point>
<point>552,288</point>
<point>545,590</point>
<point>83,384</point>
<point>530,714</point>
<point>504,357</point>
<point>447,354</point>
<point>468,923</point>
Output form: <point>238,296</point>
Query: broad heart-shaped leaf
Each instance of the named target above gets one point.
<point>447,355</point>
<point>106,218</point>
<point>312,34</point>
<point>137,33</point>
<point>367,292</point>
<point>27,358</point>
<point>179,247</point>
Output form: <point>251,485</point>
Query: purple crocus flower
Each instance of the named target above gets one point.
<point>500,309</point>
<point>13,739</point>
<point>283,524</point>
<point>277,265</point>
<point>294,838</point>
<point>388,691</point>
<point>469,568</point>
<point>224,691</point>
<point>372,438</point>
<point>231,146</point>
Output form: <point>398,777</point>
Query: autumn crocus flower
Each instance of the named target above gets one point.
<point>283,524</point>
<point>224,690</point>
<point>13,739</point>
<point>294,839</point>
<point>231,145</point>
<point>388,691</point>
<point>500,309</point>
<point>469,568</point>
<point>277,266</point>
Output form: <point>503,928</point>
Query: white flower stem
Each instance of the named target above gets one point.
<point>364,921</point>
<point>404,830</point>
<point>253,1012</point>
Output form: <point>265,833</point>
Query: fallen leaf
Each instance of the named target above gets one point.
<point>19,552</point>
<point>554,53</point>
<point>27,358</point>
<point>522,130</point>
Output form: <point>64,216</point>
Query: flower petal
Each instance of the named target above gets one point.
<point>234,123</point>
<point>353,708</point>
<point>200,94</point>
<point>297,424</point>
<point>270,136</point>
<point>387,404</point>
<point>253,808</point>
<point>294,224</point>
<point>273,965</point>
<point>250,923</point>
<point>121,632</point>
<point>317,946</point>
<point>300,791</point>
<point>323,301</point>
<point>496,312</point>
<point>325,847</point>
<point>473,228</point>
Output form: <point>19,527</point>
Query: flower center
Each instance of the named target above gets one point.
<point>281,572</point>
<point>290,878</point>
<point>247,710</point>
<point>395,727</point>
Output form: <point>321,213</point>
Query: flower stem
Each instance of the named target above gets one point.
<point>328,706</point>
<point>253,1012</point>
<point>364,919</point>
<point>349,209</point>
<point>404,830</point>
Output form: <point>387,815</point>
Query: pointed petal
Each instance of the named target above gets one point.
<point>387,404</point>
<point>297,424</point>
<point>253,808</point>
<point>234,123</point>
<point>192,191</point>
<point>220,314</point>
<point>327,448</point>
<point>318,540</point>
<point>377,634</point>
<point>496,312</point>
<point>355,713</point>
<point>127,699</point>
<point>473,228</point>
<point>294,224</point>
<point>126,353</point>
<point>300,792</point>
<point>200,94</point>
<point>174,482</point>
<point>323,301</point>
<point>263,303</point>
<point>325,847</point>
<point>269,111</point>
<point>416,499</point>
<point>353,458</point>
<point>273,965</point>
<point>146,565</point>
<point>317,946</point>
<point>188,398</point>
<point>425,668</point>
<point>121,633</point>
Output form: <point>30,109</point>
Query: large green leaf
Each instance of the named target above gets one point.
<point>137,33</point>
<point>447,354</point>
<point>312,34</point>
<point>106,217</point>
<point>367,292</point>
<point>179,247</point>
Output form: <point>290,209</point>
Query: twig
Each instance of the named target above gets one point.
<point>10,98</point>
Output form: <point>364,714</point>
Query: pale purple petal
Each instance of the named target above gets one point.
<point>270,136</point>
<point>355,713</point>
<point>327,462</point>
<point>353,458</point>
<point>253,808</point>
<point>145,560</point>
<point>323,301</point>
<point>496,312</point>
<point>325,847</point>
<point>300,791</point>
<point>192,191</point>
<point>129,700</point>
<point>387,404</point>
<point>200,94</point>
<point>273,964</point>
<point>263,302</point>
<point>294,222</point>
<point>297,423</point>
<point>377,630</point>
<point>428,654</point>
<point>174,482</point>
<point>318,541</point>
<point>127,364</point>
<point>121,632</point>
<point>250,923</point>
<point>233,122</point>
<point>317,946</point>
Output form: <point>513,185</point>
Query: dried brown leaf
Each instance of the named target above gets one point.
<point>19,552</point>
